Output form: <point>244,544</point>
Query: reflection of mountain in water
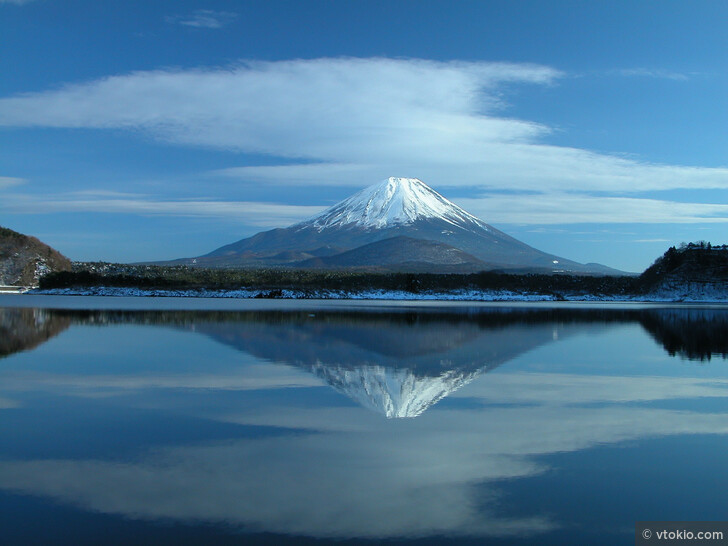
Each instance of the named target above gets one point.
<point>24,329</point>
<point>395,393</point>
<point>397,363</point>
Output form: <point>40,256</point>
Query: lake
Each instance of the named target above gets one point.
<point>197,421</point>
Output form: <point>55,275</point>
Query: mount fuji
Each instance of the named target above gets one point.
<point>400,224</point>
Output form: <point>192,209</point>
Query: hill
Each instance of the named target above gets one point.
<point>24,259</point>
<point>693,270</point>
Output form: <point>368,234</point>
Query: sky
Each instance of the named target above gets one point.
<point>133,130</point>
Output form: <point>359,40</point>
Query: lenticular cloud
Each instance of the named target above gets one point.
<point>288,108</point>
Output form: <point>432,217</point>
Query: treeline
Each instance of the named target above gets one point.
<point>273,280</point>
<point>688,261</point>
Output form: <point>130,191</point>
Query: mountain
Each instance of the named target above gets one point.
<point>401,210</point>
<point>24,259</point>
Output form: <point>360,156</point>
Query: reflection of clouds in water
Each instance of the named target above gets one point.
<point>376,478</point>
<point>564,389</point>
<point>249,377</point>
<point>352,473</point>
<point>505,388</point>
<point>6,403</point>
<point>318,487</point>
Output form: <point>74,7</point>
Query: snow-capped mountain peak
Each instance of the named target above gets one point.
<point>394,201</point>
<point>394,212</point>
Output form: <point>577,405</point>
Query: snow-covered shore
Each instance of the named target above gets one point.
<point>713,295</point>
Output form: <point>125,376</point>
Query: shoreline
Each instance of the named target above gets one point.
<point>465,295</point>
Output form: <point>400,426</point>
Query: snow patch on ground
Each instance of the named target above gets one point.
<point>716,295</point>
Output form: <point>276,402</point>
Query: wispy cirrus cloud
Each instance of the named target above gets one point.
<point>497,208</point>
<point>577,208</point>
<point>260,214</point>
<point>7,181</point>
<point>204,18</point>
<point>351,111</point>
<point>652,73</point>
<point>349,121</point>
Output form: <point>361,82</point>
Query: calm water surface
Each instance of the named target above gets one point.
<point>170,421</point>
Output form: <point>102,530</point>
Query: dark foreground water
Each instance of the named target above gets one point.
<point>298,423</point>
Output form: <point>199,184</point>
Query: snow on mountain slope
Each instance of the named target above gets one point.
<point>395,201</point>
<point>394,208</point>
<point>392,392</point>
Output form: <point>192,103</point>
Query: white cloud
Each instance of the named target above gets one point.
<point>323,174</point>
<point>316,109</point>
<point>652,73</point>
<point>496,208</point>
<point>204,18</point>
<point>7,181</point>
<point>358,111</point>
<point>347,121</point>
<point>574,208</point>
<point>266,215</point>
<point>499,165</point>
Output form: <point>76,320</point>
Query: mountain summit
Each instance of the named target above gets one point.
<point>395,201</point>
<point>400,224</point>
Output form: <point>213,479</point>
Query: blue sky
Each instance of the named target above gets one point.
<point>136,130</point>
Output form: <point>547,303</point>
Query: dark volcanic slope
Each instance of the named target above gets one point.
<point>399,253</point>
<point>489,246</point>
